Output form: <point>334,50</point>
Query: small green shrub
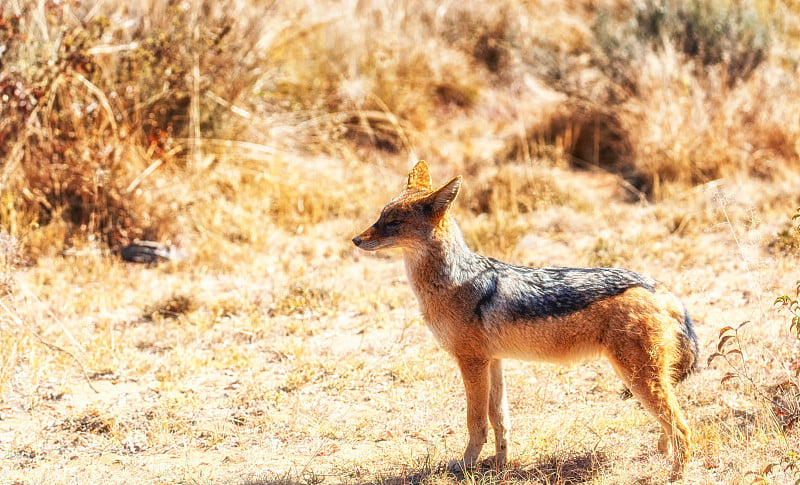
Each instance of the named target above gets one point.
<point>781,399</point>
<point>712,32</point>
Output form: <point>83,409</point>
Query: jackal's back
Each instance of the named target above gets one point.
<point>516,292</point>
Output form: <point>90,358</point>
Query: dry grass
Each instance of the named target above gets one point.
<point>259,139</point>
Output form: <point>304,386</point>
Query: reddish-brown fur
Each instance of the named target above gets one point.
<point>637,330</point>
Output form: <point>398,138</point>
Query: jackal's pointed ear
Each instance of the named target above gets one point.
<point>419,177</point>
<point>440,200</point>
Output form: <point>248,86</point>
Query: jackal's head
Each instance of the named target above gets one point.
<point>412,218</point>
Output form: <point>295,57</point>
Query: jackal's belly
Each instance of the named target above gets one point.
<point>557,340</point>
<point>498,335</point>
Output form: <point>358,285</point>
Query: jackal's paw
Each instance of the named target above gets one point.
<point>497,462</point>
<point>458,467</point>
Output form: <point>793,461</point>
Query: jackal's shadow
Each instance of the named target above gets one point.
<point>551,470</point>
<point>570,470</point>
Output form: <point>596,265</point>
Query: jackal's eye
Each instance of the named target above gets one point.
<point>394,224</point>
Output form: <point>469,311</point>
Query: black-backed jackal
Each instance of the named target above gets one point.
<point>482,310</point>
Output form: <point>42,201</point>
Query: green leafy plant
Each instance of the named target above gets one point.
<point>791,305</point>
<point>714,33</point>
<point>783,398</point>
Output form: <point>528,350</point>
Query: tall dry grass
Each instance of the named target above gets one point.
<point>105,104</point>
<point>109,108</point>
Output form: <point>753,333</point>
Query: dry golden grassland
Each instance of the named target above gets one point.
<point>259,137</point>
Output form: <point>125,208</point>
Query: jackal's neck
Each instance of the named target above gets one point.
<point>444,260</point>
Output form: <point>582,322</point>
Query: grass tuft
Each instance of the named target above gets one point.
<point>93,422</point>
<point>172,307</point>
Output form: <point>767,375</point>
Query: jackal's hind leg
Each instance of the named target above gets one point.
<point>675,434</point>
<point>656,395</point>
<point>649,381</point>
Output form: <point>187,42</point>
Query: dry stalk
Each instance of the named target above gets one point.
<point>14,315</point>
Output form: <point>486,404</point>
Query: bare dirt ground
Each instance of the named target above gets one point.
<point>295,358</point>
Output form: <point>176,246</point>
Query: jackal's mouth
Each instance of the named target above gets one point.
<point>370,244</point>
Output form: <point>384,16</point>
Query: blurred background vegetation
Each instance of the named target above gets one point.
<point>132,120</point>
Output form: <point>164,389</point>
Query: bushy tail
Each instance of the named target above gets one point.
<point>688,348</point>
<point>688,354</point>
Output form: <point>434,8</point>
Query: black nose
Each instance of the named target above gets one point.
<point>357,241</point>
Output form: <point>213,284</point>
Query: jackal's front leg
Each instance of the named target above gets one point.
<point>498,411</point>
<point>475,373</point>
